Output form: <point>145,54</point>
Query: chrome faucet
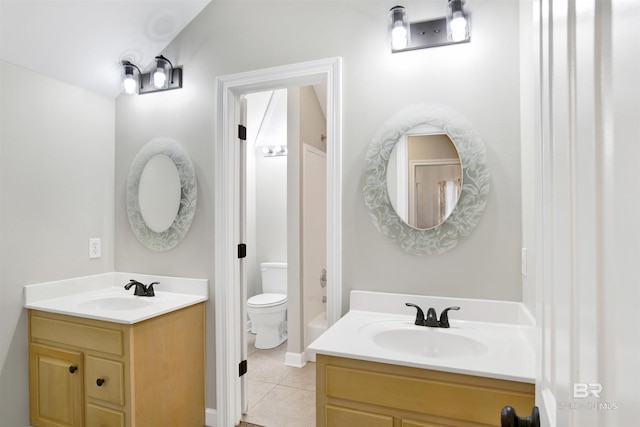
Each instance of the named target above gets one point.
<point>141,290</point>
<point>431,320</point>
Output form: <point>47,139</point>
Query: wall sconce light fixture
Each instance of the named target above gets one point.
<point>399,28</point>
<point>274,150</point>
<point>452,29</point>
<point>130,78</point>
<point>163,76</point>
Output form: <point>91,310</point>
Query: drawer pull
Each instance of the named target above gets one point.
<point>100,381</point>
<point>73,369</point>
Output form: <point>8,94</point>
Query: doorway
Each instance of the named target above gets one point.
<point>286,205</point>
<point>229,301</point>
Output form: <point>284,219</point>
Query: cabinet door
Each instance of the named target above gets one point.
<point>55,386</point>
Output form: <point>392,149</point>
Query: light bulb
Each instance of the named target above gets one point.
<point>129,85</point>
<point>130,78</point>
<point>458,29</point>
<point>159,78</point>
<point>457,21</point>
<point>399,29</point>
<point>399,38</point>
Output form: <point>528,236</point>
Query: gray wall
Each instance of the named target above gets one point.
<point>56,192</point>
<point>271,211</point>
<point>479,79</point>
<point>58,187</point>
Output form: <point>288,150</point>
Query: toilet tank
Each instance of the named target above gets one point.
<point>274,277</point>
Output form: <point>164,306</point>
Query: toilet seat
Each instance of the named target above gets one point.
<point>266,300</point>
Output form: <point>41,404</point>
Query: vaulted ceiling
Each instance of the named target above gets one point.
<point>83,41</point>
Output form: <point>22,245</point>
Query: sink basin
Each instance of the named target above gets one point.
<point>428,342</point>
<point>114,303</point>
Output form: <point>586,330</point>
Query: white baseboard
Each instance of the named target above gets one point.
<point>311,357</point>
<point>211,418</point>
<point>297,360</point>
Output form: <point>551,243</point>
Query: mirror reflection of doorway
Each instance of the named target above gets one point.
<point>433,192</point>
<point>424,177</point>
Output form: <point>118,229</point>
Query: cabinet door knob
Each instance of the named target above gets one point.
<point>509,418</point>
<point>72,369</point>
<point>100,381</point>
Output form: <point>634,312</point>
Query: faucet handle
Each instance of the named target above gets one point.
<point>419,315</point>
<point>131,283</point>
<point>140,288</point>
<point>149,292</point>
<point>444,317</point>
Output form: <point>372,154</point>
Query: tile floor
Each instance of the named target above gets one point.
<point>279,395</point>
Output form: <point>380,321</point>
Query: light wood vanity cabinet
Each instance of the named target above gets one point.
<point>58,379</point>
<point>85,372</point>
<point>356,393</point>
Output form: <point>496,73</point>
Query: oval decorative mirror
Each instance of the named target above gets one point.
<point>161,194</point>
<point>426,202</point>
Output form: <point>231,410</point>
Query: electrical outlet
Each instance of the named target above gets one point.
<point>95,250</point>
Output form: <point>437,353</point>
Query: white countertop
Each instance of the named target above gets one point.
<point>103,297</point>
<point>505,330</point>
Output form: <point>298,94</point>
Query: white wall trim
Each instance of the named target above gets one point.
<point>210,418</point>
<point>227,296</point>
<point>548,408</point>
<point>296,360</point>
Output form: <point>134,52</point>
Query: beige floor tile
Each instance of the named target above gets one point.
<point>257,391</point>
<point>279,395</point>
<point>267,367</point>
<point>284,407</point>
<point>303,378</point>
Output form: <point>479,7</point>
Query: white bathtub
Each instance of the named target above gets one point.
<point>315,328</point>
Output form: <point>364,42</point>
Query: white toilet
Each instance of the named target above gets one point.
<point>268,311</point>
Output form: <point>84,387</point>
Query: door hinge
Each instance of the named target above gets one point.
<point>242,132</point>
<point>242,250</point>
<point>242,368</point>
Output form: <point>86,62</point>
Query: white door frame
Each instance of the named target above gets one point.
<point>227,296</point>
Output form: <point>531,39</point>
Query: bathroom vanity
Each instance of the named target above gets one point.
<point>375,368</point>
<point>354,392</point>
<point>109,368</point>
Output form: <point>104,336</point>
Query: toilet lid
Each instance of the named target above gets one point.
<point>267,300</point>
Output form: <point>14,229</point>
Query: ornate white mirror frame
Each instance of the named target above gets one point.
<point>169,238</point>
<point>475,182</point>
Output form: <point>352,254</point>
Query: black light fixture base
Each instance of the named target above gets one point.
<point>174,83</point>
<point>431,33</point>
